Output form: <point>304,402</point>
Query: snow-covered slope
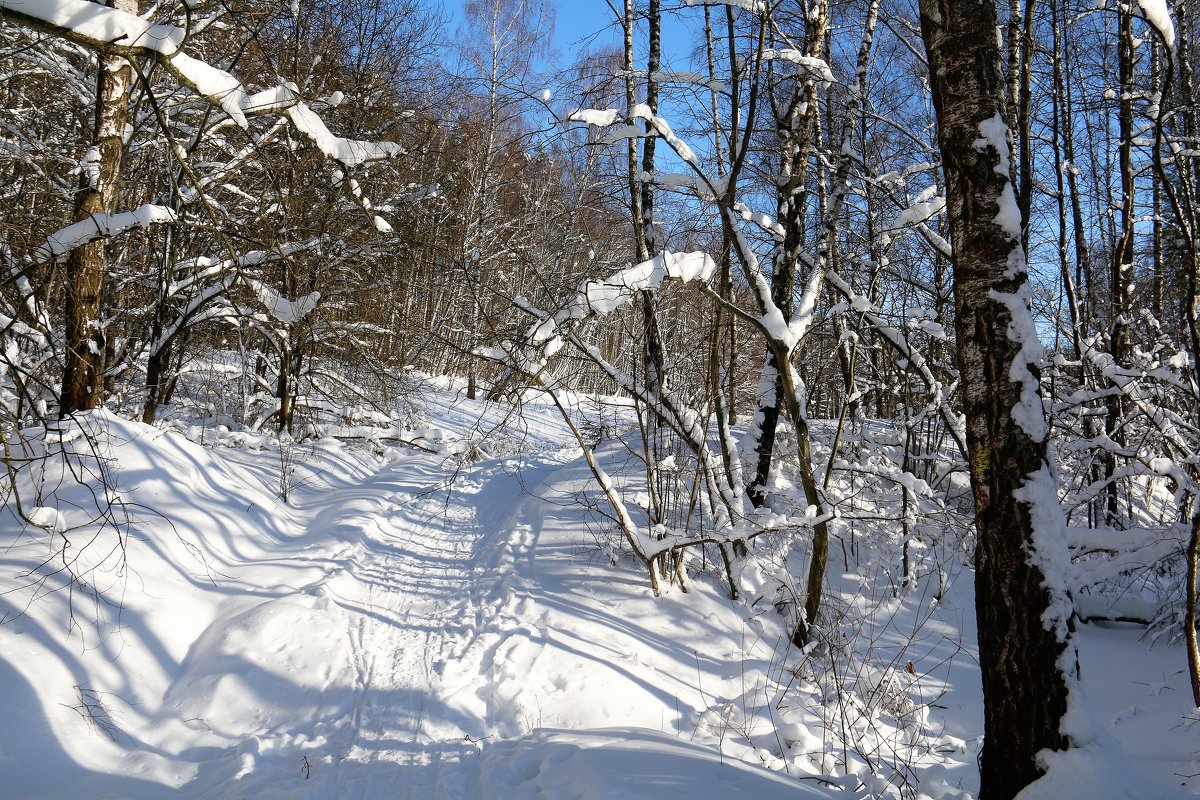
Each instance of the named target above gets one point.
<point>396,629</point>
<point>431,625</point>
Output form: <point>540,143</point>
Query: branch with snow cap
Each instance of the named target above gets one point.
<point>101,226</point>
<point>927,205</point>
<point>745,5</point>
<point>595,298</point>
<point>599,297</point>
<point>1160,19</point>
<point>809,66</point>
<point>279,307</point>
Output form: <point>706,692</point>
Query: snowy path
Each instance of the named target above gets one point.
<point>471,619</point>
<point>422,578</point>
<point>431,629</point>
<point>414,630</point>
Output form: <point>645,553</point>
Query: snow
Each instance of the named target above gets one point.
<point>627,763</point>
<point>600,297</point>
<point>663,129</point>
<point>113,26</point>
<point>215,84</point>
<point>89,165</point>
<point>282,309</point>
<point>622,132</point>
<point>923,209</point>
<point>1157,15</point>
<point>1095,774</point>
<point>422,625</point>
<point>101,24</point>
<point>1009,215</point>
<point>994,134</point>
<point>350,152</point>
<point>1047,551</point>
<point>101,225</point>
<point>811,66</point>
<point>416,628</point>
<point>594,116</point>
<point>48,518</point>
<point>1028,413</point>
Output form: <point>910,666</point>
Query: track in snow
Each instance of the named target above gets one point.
<point>425,575</point>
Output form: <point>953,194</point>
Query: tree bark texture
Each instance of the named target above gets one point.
<point>83,366</point>
<point>1025,690</point>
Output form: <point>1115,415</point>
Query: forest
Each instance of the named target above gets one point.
<point>391,392</point>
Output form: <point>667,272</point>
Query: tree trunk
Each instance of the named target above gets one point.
<point>1024,621</point>
<point>1190,618</point>
<point>283,387</point>
<point>156,378</point>
<point>83,366</point>
<point>796,126</point>
<point>1121,270</point>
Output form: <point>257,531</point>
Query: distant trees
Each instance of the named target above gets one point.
<point>500,44</point>
<point>784,276</point>
<point>137,109</point>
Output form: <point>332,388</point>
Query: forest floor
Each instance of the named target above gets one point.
<point>425,625</point>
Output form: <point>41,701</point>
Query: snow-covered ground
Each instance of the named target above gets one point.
<point>452,624</point>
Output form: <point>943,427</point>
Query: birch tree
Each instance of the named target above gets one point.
<point>1024,610</point>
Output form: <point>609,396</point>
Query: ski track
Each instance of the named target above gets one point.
<point>431,591</point>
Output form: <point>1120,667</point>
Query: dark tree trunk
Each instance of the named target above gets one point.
<point>156,379</point>
<point>1121,270</point>
<point>283,388</point>
<point>654,355</point>
<point>796,126</point>
<point>1024,686</point>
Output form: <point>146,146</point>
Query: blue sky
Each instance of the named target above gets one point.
<point>580,20</point>
<point>589,25</point>
<point>577,24</point>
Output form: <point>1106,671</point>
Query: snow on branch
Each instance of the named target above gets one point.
<point>109,30</point>
<point>99,226</point>
<point>599,117</point>
<point>663,129</point>
<point>1157,15</point>
<point>92,24</point>
<point>810,66</point>
<point>746,5</point>
<point>350,152</point>
<point>927,206</point>
<point>279,307</point>
<point>709,191</point>
<point>599,297</point>
<point>656,125</point>
<point>596,298</point>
